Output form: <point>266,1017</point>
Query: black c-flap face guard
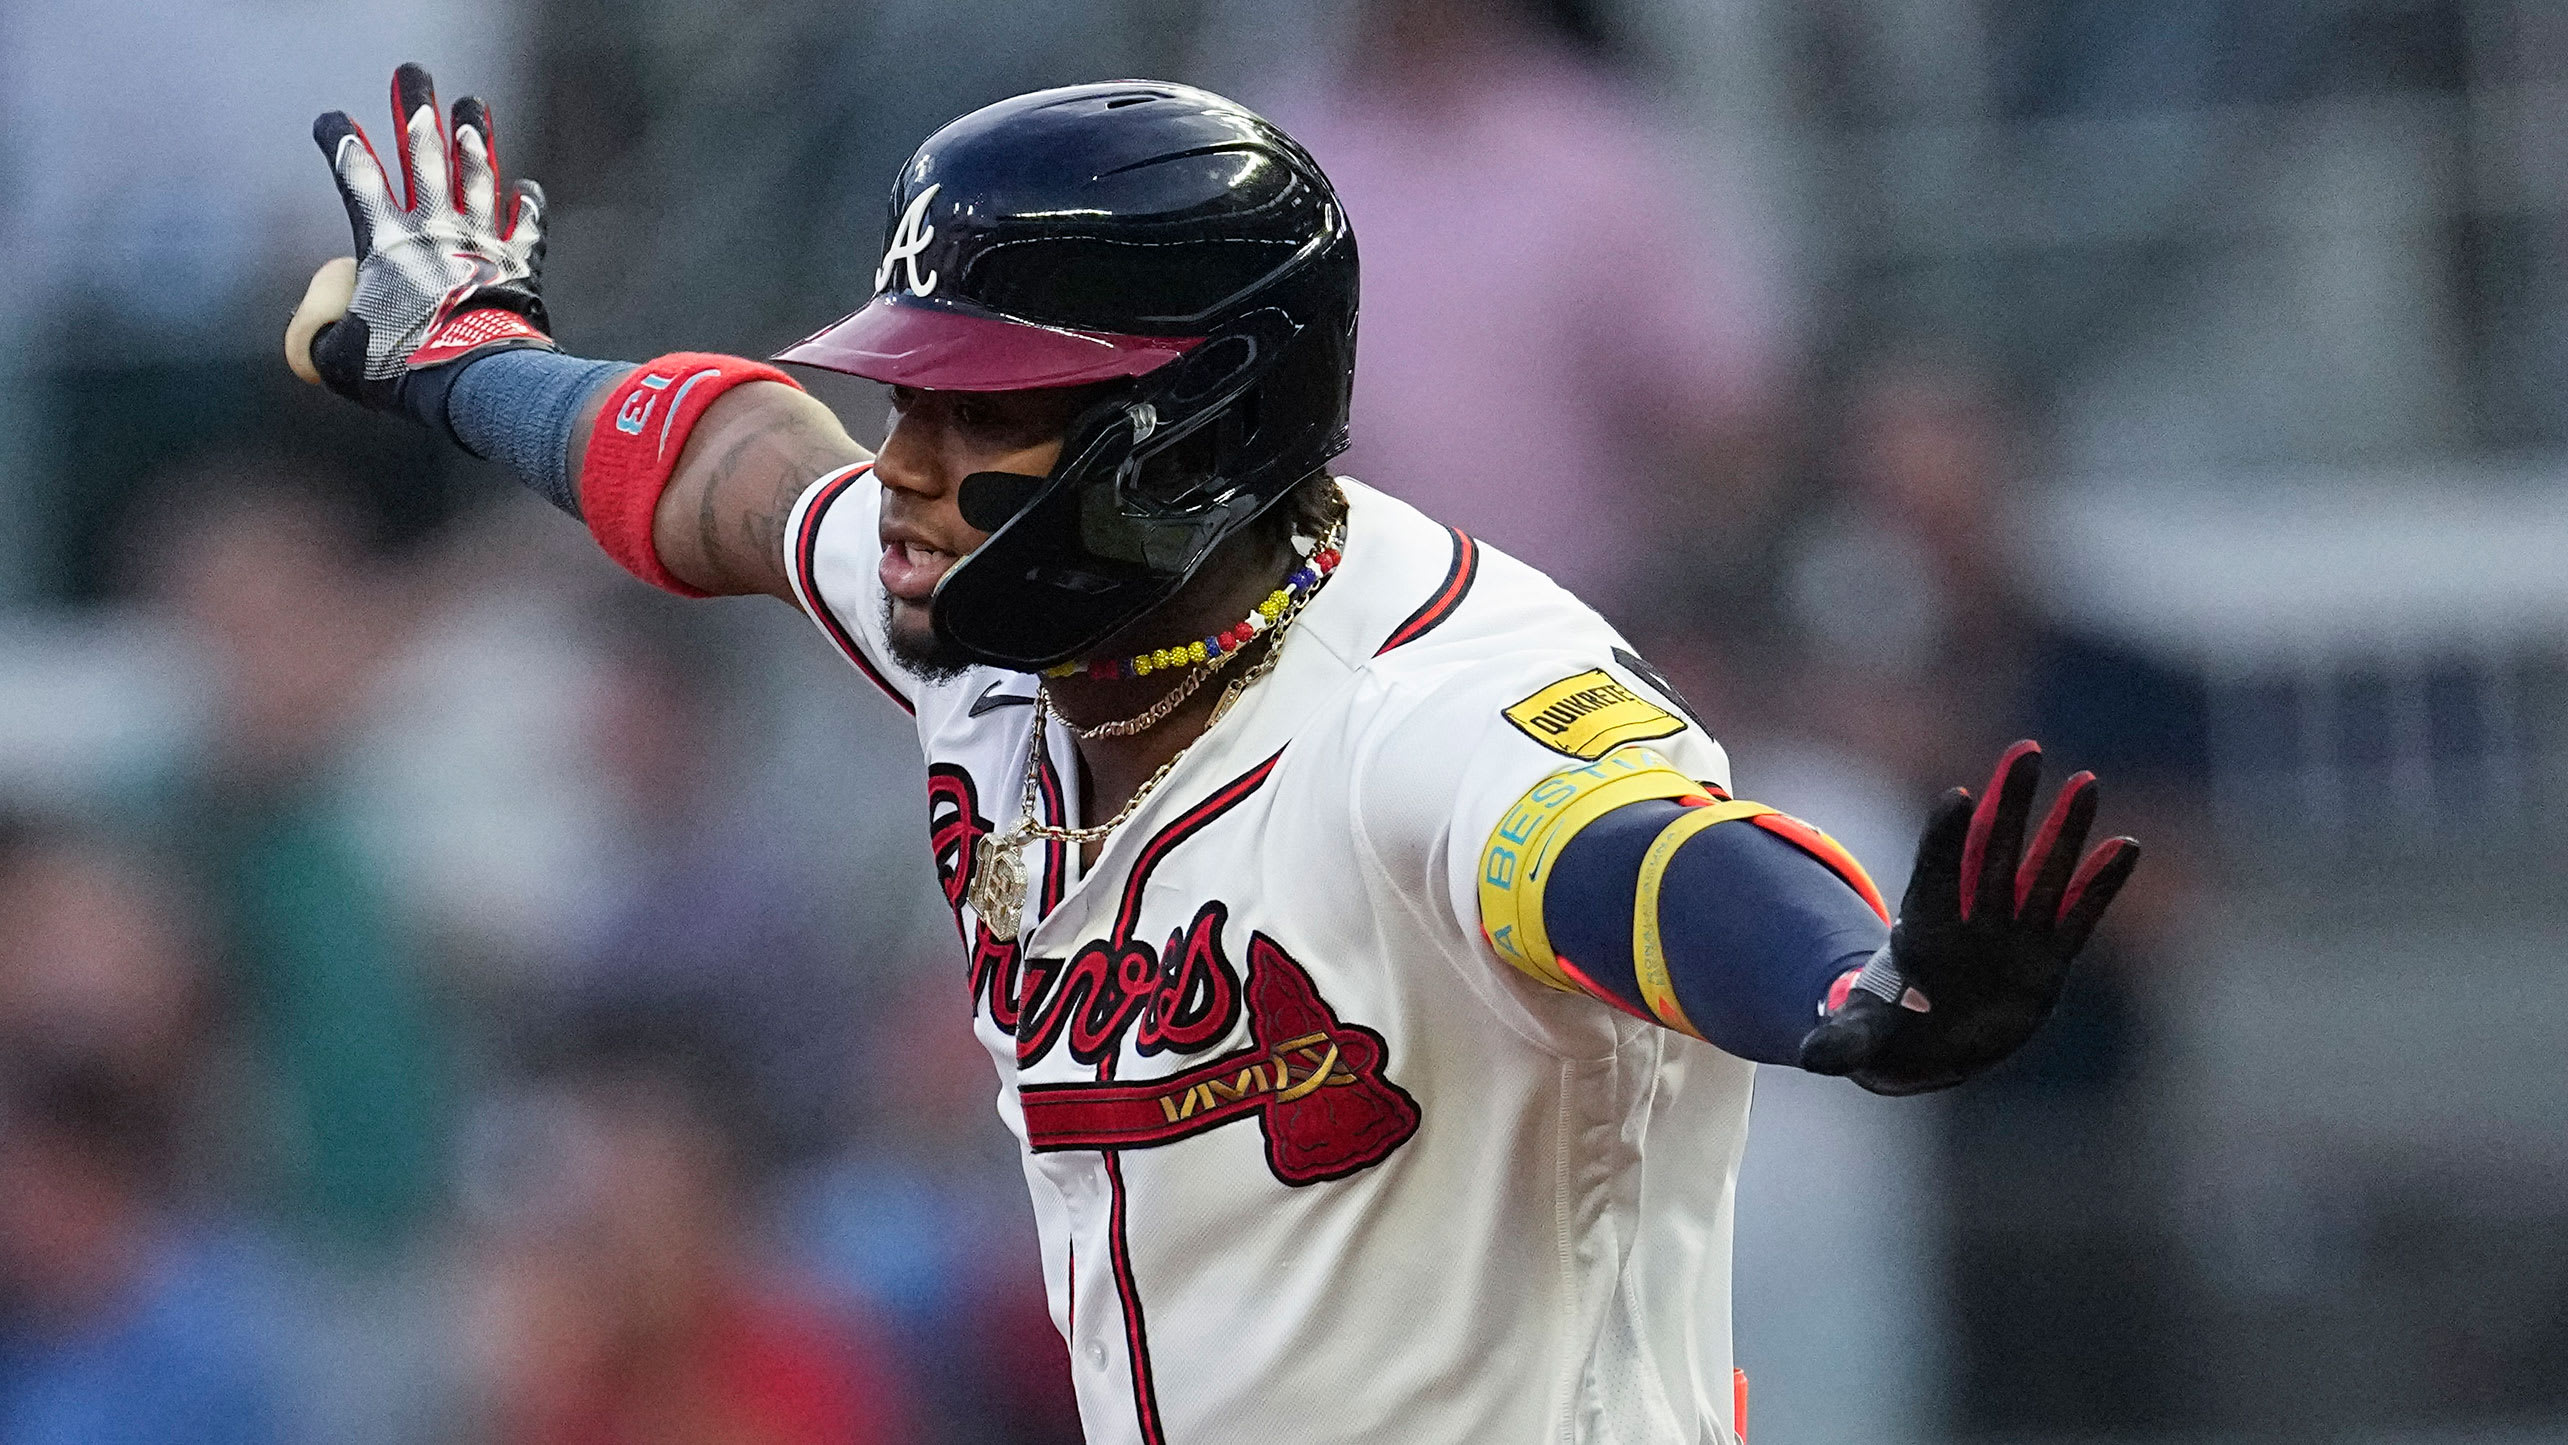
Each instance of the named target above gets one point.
<point>1083,552</point>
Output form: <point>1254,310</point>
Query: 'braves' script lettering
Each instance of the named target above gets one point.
<point>1183,995</point>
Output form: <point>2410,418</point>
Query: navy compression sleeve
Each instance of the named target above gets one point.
<point>1754,927</point>
<point>519,408</point>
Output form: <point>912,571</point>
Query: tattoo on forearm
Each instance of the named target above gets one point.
<point>763,528</point>
<point>748,490</point>
<point>709,515</point>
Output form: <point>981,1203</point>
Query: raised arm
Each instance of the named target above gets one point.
<point>684,467</point>
<point>1750,929</point>
<point>1591,842</point>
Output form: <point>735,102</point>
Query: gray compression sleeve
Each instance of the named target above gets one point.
<point>518,408</point>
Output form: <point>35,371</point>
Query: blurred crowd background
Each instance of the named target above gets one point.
<point>449,993</point>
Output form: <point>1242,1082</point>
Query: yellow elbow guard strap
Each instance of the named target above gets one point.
<point>1517,862</point>
<point>1649,950</point>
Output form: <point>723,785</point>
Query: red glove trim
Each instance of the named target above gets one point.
<point>641,431</point>
<point>455,336</point>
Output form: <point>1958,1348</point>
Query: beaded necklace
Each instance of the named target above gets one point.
<point>1222,646</point>
<point>1218,652</point>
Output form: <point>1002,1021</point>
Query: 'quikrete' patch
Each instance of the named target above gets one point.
<point>1590,715</point>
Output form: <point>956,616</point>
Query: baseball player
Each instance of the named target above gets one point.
<point>1373,957</point>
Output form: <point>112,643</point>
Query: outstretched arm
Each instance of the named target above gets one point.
<point>439,317</point>
<point>1752,930</point>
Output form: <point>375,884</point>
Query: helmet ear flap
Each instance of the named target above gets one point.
<point>1239,424</point>
<point>1185,468</point>
<point>1190,436</point>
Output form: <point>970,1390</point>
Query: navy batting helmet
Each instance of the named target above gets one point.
<point>1136,231</point>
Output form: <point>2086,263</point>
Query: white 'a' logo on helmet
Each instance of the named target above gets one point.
<point>909,238</point>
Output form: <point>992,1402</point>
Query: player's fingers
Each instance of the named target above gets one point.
<point>324,302</point>
<point>523,227</point>
<point>423,138</point>
<point>1934,881</point>
<point>2053,853</point>
<point>1997,830</point>
<point>363,187</point>
<point>476,166</point>
<point>2098,879</point>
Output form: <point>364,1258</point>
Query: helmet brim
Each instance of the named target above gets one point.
<point>905,342</point>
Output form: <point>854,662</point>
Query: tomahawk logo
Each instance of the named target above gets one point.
<point>1317,1086</point>
<point>910,238</point>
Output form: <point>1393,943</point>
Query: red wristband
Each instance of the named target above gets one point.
<point>641,430</point>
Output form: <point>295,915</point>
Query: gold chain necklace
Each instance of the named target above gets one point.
<point>1153,715</point>
<point>997,893</point>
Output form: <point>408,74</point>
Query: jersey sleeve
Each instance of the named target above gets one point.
<point>831,551</point>
<point>1446,760</point>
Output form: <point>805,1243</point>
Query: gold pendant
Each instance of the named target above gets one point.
<point>997,894</point>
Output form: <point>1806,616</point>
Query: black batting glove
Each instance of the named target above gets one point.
<point>1984,937</point>
<point>444,273</point>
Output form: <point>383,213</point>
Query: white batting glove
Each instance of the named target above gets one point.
<point>441,275</point>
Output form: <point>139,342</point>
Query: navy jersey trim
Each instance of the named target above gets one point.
<point>1448,595</point>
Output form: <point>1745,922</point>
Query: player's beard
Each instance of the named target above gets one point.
<point>933,660</point>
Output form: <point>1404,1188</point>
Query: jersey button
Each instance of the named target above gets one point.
<point>1096,1355</point>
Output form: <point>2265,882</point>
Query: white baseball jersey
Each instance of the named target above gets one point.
<point>1309,1161</point>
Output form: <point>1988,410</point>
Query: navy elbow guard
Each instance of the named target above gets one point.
<point>1636,893</point>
